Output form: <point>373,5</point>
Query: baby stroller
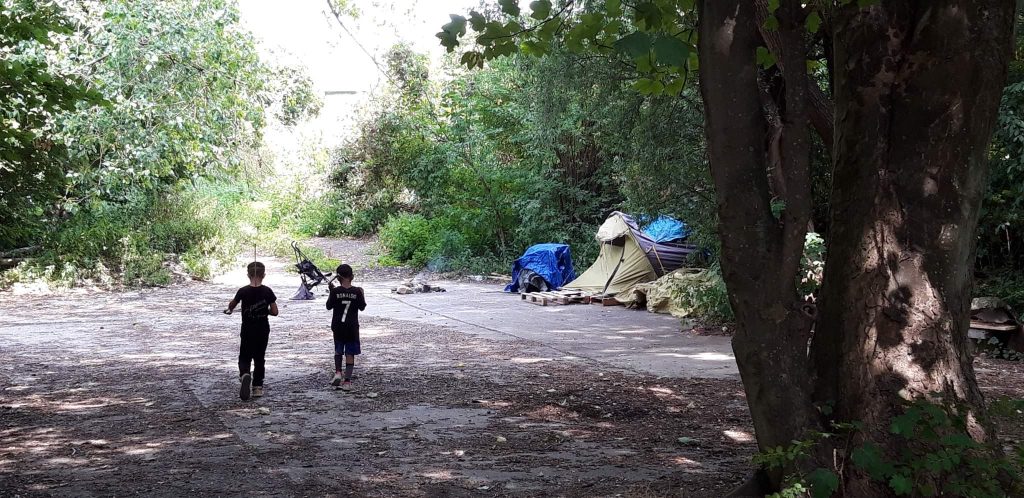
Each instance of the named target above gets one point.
<point>309,273</point>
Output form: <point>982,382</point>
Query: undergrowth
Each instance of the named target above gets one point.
<point>930,453</point>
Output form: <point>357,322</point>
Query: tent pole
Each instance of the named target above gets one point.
<point>622,257</point>
<point>658,257</point>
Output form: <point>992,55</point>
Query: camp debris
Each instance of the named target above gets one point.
<point>992,319</point>
<point>630,257</point>
<point>416,286</point>
<point>309,274</point>
<point>672,294</point>
<point>542,268</point>
<point>555,297</point>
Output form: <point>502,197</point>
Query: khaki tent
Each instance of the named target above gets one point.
<point>628,257</point>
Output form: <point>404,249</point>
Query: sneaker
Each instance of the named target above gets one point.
<point>346,386</point>
<point>337,379</point>
<point>246,390</point>
<point>257,391</point>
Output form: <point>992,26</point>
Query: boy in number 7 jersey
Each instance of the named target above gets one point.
<point>346,301</point>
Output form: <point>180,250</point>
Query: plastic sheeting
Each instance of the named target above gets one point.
<point>667,229</point>
<point>671,294</point>
<point>553,262</point>
<point>664,256</point>
<point>629,257</point>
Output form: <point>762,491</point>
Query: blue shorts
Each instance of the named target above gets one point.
<point>346,347</point>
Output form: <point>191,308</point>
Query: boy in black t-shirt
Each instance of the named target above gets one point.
<point>346,301</point>
<point>258,301</point>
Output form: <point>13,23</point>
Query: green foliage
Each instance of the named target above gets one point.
<point>1005,283</point>
<point>818,483</point>
<point>501,159</point>
<point>131,243</point>
<point>125,192</point>
<point>934,455</point>
<point>408,238</point>
<point>812,265</point>
<point>186,89</point>
<point>295,99</point>
<point>656,37</point>
<point>937,456</point>
<point>33,93</point>
<point>1001,226</point>
<point>702,295</point>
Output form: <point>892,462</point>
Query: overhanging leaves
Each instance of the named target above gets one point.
<point>635,44</point>
<point>671,50</point>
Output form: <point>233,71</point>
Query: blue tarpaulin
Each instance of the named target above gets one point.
<point>667,229</point>
<point>553,262</point>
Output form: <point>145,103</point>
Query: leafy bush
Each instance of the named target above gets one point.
<point>1004,283</point>
<point>409,238</point>
<point>325,216</point>
<point>935,456</point>
<point>134,243</point>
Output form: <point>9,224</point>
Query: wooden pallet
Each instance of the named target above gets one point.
<point>605,301</point>
<point>555,297</point>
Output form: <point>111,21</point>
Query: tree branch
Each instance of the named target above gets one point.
<point>820,108</point>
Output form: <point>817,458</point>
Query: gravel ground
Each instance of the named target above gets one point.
<point>136,392</point>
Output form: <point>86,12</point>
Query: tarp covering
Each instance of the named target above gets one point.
<point>672,293</point>
<point>628,257</point>
<point>667,229</point>
<point>553,262</point>
<point>664,256</point>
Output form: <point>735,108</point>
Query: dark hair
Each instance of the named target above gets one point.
<point>256,269</point>
<point>344,271</point>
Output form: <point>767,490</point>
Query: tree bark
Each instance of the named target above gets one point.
<point>917,88</point>
<point>759,257</point>
<point>820,107</point>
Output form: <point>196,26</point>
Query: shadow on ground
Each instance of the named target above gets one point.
<point>111,394</point>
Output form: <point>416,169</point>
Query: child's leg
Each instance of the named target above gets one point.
<point>259,351</point>
<point>244,355</point>
<point>350,363</point>
<point>339,356</point>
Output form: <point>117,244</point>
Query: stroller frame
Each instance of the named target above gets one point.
<point>309,273</point>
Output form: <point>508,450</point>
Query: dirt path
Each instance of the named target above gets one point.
<point>136,392</point>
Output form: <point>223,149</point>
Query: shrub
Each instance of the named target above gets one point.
<point>131,242</point>
<point>409,238</point>
<point>325,216</point>
<point>935,455</point>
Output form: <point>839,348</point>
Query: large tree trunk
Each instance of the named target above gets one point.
<point>917,88</point>
<point>760,254</point>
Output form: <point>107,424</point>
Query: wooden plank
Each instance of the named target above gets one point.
<point>605,301</point>
<point>1002,327</point>
<point>555,297</point>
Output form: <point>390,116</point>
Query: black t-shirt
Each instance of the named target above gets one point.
<point>255,305</point>
<point>346,302</point>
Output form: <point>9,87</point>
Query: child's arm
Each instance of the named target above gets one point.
<point>361,303</point>
<point>231,306</point>
<point>272,309</point>
<point>331,299</point>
